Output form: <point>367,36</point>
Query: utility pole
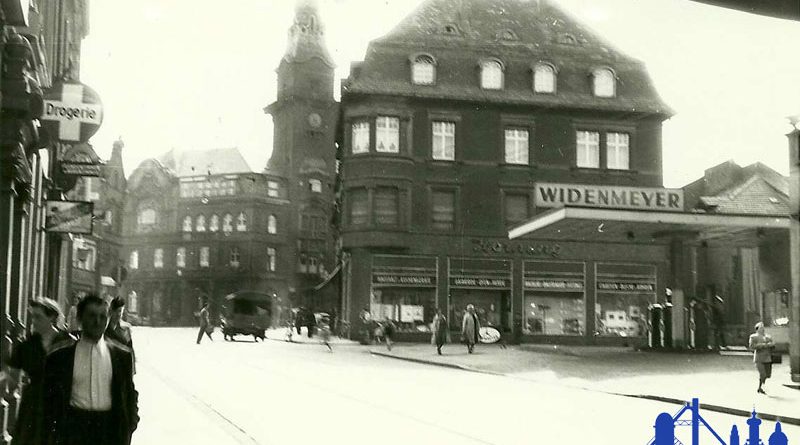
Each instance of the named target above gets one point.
<point>794,205</point>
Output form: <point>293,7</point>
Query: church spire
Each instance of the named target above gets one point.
<point>307,35</point>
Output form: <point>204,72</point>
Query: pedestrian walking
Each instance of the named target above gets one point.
<point>718,320</point>
<point>762,345</point>
<point>89,394</point>
<point>310,322</point>
<point>324,327</point>
<point>387,332</point>
<point>25,368</point>
<point>439,330</point>
<point>206,328</point>
<point>118,329</point>
<point>470,328</point>
<point>365,326</point>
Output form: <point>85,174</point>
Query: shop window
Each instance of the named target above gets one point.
<point>200,226</point>
<point>386,208</point>
<point>443,141</point>
<point>423,70</point>
<point>491,75</point>
<point>315,185</point>
<point>187,224</point>
<point>272,258</point>
<point>554,313</point>
<point>158,258</point>
<point>360,137</point>
<point>443,211</point>
<point>272,224</point>
<point>411,309</point>
<point>516,208</point>
<point>234,257</point>
<point>359,207</point>
<point>588,149</point>
<point>180,257</point>
<point>624,293</point>
<point>227,223</point>
<point>603,83</point>
<point>204,256</point>
<point>544,78</point>
<point>617,151</point>
<point>516,146</point>
<point>133,260</point>
<point>241,222</point>
<point>273,189</point>
<point>387,134</point>
<point>213,225</point>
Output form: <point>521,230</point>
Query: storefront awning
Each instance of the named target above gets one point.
<point>593,224</point>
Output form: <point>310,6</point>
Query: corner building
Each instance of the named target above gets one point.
<point>471,117</point>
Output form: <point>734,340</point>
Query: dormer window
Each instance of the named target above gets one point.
<point>423,70</point>
<point>491,75</point>
<point>604,82</point>
<point>544,78</point>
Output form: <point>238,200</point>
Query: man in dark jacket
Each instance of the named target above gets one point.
<point>90,397</point>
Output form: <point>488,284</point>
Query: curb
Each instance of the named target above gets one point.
<point>706,406</point>
<point>283,340</point>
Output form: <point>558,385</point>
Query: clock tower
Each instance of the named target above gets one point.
<point>304,151</point>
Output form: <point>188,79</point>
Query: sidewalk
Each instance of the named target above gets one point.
<point>722,383</point>
<point>280,334</point>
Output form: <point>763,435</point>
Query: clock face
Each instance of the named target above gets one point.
<point>314,120</point>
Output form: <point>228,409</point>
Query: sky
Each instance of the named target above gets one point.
<point>192,74</point>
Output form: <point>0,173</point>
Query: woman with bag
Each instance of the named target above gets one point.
<point>439,331</point>
<point>762,345</point>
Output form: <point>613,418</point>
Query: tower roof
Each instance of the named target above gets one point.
<point>307,35</point>
<point>458,34</point>
<point>217,161</point>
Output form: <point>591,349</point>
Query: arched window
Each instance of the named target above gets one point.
<point>234,257</point>
<point>423,70</point>
<point>272,224</point>
<point>213,226</point>
<point>200,226</point>
<point>133,261</point>
<point>315,185</point>
<point>491,75</point>
<point>241,222</point>
<point>603,83</point>
<point>187,223</point>
<point>544,78</point>
<point>180,257</point>
<point>146,217</point>
<point>158,258</point>
<point>227,223</point>
<point>272,258</point>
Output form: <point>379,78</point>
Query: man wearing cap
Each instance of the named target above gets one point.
<point>118,329</point>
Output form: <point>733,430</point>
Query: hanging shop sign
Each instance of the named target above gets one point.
<point>393,279</point>
<point>553,284</point>
<point>625,286</point>
<point>72,112</point>
<point>602,196</point>
<point>489,334</point>
<point>69,216</point>
<point>78,159</point>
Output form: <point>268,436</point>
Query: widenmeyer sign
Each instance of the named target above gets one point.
<point>608,196</point>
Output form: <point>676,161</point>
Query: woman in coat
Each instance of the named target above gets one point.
<point>470,327</point>
<point>28,357</point>
<point>762,345</point>
<point>439,330</point>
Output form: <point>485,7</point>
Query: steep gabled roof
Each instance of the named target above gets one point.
<point>215,161</point>
<point>458,34</point>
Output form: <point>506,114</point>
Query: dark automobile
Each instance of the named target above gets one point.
<point>246,313</point>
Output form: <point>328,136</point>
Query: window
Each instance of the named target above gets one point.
<point>313,225</point>
<point>227,223</point>
<point>516,208</point>
<point>423,70</point>
<point>180,257</point>
<point>241,222</point>
<point>133,260</point>
<point>386,206</point>
<point>272,224</point>
<point>204,254</point>
<point>201,223</point>
<point>544,78</point>
<point>84,254</point>
<point>273,189</point>
<point>234,257</point>
<point>213,226</point>
<point>315,185</point>
<point>146,217</point>
<point>588,149</point>
<point>271,259</point>
<point>359,211</point>
<point>158,258</point>
<point>444,141</point>
<point>443,211</point>
<point>387,134</point>
<point>360,142</point>
<point>491,75</point>
<point>617,151</point>
<point>516,142</point>
<point>603,83</point>
<point>109,217</point>
<point>187,224</point>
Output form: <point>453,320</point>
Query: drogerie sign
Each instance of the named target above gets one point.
<point>584,195</point>
<point>72,111</point>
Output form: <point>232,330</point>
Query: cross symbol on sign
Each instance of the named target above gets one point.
<point>71,111</point>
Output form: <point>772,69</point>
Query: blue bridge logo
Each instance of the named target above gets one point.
<point>666,423</point>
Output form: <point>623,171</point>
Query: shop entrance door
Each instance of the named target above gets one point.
<point>492,307</point>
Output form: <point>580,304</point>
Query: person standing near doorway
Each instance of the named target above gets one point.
<point>470,328</point>
<point>205,324</point>
<point>762,345</point>
<point>718,321</point>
